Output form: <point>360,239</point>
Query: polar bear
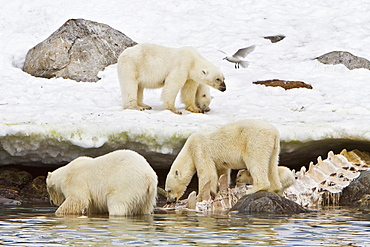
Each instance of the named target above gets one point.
<point>203,97</point>
<point>119,183</point>
<point>250,144</point>
<point>286,177</point>
<point>154,66</point>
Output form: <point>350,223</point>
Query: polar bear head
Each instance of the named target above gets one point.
<point>53,186</point>
<point>244,176</point>
<point>203,98</point>
<point>175,185</point>
<point>213,77</point>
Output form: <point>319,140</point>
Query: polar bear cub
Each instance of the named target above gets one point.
<point>203,97</point>
<point>118,183</point>
<point>250,144</point>
<point>286,177</point>
<point>154,66</point>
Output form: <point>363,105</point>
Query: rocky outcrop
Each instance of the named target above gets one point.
<point>78,50</point>
<point>267,202</point>
<point>358,192</point>
<point>17,186</point>
<point>284,84</point>
<point>347,59</point>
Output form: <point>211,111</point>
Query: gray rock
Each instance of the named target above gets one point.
<point>357,193</point>
<point>6,201</point>
<point>347,59</point>
<point>267,202</point>
<point>78,50</point>
<point>275,38</point>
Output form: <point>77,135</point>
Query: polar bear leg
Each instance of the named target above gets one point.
<point>209,179</point>
<point>226,172</point>
<point>188,93</point>
<point>259,173</point>
<point>275,183</point>
<point>140,96</point>
<point>174,82</point>
<point>118,208</point>
<point>129,86</point>
<point>257,160</point>
<point>205,167</point>
<point>73,205</point>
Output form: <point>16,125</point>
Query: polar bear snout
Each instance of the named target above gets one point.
<point>169,201</point>
<point>222,87</point>
<point>171,198</point>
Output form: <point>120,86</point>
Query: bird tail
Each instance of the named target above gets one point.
<point>244,64</point>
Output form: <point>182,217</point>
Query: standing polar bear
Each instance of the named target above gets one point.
<point>154,66</point>
<point>118,183</point>
<point>250,144</point>
<point>286,177</point>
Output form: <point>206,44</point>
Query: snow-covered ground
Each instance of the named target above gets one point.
<point>89,115</point>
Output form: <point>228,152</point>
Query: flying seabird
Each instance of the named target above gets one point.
<point>237,58</point>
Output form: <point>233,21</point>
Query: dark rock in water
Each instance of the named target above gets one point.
<point>6,201</point>
<point>275,38</point>
<point>14,178</point>
<point>267,202</point>
<point>284,84</point>
<point>357,193</point>
<point>35,191</point>
<point>347,59</point>
<point>17,186</point>
<point>78,50</point>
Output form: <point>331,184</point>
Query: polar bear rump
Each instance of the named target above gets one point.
<point>119,183</point>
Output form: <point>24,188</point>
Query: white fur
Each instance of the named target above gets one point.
<point>154,66</point>
<point>203,97</point>
<point>119,183</point>
<point>286,177</point>
<point>250,144</point>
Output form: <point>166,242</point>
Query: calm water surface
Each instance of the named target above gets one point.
<point>37,226</point>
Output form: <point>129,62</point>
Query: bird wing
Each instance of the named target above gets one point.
<point>244,51</point>
<point>222,51</point>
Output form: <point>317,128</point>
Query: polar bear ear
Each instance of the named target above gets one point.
<point>177,173</point>
<point>204,71</point>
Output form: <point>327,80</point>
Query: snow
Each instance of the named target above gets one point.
<point>89,115</point>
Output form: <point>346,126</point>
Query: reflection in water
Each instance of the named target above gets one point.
<point>37,226</point>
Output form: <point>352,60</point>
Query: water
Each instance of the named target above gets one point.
<point>37,226</point>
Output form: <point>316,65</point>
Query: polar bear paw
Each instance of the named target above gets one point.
<point>140,108</point>
<point>143,108</point>
<point>174,110</point>
<point>194,109</point>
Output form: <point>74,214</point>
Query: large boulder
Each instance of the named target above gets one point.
<point>78,50</point>
<point>347,59</point>
<point>357,193</point>
<point>267,202</point>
